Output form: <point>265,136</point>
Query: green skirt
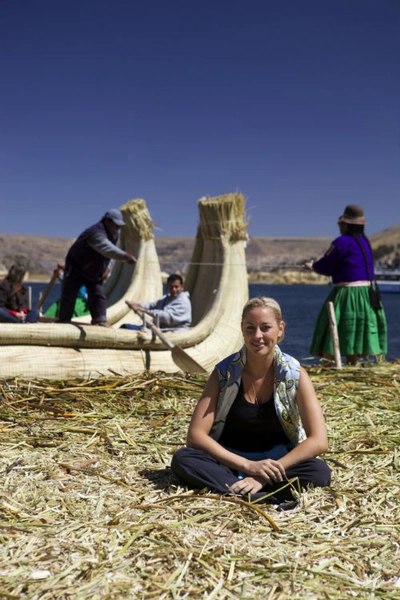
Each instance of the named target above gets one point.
<point>81,308</point>
<point>362,331</point>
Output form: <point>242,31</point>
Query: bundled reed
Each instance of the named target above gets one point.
<point>135,213</point>
<point>223,216</point>
<point>89,508</point>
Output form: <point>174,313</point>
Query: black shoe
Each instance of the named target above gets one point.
<point>286,505</point>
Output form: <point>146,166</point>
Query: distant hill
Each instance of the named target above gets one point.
<point>390,236</point>
<point>386,245</point>
<point>39,254</point>
<point>264,254</point>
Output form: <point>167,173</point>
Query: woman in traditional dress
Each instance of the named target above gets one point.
<point>360,316</point>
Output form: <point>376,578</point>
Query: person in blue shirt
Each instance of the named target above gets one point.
<point>81,303</point>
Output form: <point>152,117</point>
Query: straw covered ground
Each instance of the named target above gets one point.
<point>90,510</point>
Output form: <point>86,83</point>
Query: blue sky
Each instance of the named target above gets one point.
<point>295,103</point>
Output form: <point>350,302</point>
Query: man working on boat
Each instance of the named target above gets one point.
<point>86,263</point>
<point>173,312</point>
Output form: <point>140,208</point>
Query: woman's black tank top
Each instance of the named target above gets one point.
<point>252,427</point>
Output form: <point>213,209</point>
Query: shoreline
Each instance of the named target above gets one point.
<point>288,277</point>
<point>281,277</point>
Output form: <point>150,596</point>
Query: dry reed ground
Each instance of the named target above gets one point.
<point>90,510</point>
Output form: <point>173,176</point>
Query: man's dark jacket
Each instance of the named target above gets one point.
<point>90,263</point>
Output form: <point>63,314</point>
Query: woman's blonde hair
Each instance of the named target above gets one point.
<point>264,302</point>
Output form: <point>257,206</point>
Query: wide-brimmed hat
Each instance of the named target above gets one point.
<point>115,216</point>
<point>353,214</point>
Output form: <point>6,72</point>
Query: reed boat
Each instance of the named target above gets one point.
<point>216,280</point>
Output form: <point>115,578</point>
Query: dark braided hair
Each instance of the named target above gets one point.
<point>356,231</point>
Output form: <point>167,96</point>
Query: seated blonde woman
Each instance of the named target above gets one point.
<point>258,423</point>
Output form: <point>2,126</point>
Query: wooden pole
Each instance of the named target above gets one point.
<point>47,290</point>
<point>334,334</point>
<point>181,358</point>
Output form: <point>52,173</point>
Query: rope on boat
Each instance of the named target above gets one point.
<point>220,264</point>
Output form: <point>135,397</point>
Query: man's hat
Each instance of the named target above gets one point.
<point>115,216</point>
<point>353,214</point>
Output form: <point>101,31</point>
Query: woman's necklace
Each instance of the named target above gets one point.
<point>265,379</point>
<point>255,399</point>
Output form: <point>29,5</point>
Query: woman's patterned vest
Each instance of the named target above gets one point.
<point>286,383</point>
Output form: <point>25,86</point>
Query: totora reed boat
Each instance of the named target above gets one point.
<point>218,286</point>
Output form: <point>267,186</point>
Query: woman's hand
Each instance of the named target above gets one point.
<point>269,470</point>
<point>248,485</point>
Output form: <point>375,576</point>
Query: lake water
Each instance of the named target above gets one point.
<point>300,307</point>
